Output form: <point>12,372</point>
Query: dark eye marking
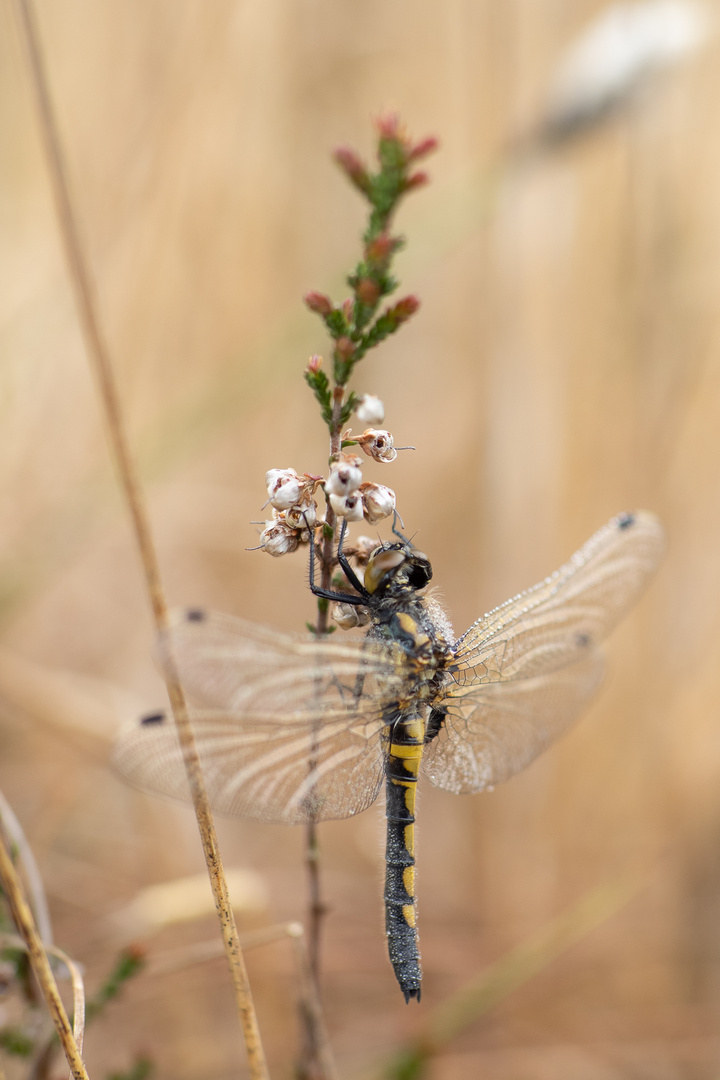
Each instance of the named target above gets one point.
<point>195,615</point>
<point>625,521</point>
<point>154,718</point>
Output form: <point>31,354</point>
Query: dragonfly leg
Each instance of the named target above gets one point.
<point>332,594</point>
<point>346,567</point>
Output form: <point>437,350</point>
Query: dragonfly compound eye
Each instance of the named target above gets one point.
<point>397,569</point>
<point>420,570</point>
<point>381,568</point>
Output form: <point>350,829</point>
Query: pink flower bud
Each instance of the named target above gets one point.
<point>353,167</point>
<point>381,248</point>
<point>416,180</point>
<point>314,364</point>
<point>388,126</point>
<point>423,148</point>
<point>318,302</point>
<point>405,308</point>
<point>368,291</point>
<point>378,502</point>
<point>348,506</point>
<point>345,348</point>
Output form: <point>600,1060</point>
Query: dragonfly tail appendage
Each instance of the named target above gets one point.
<point>405,752</point>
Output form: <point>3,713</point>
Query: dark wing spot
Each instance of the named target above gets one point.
<point>583,641</point>
<point>195,615</point>
<point>624,521</point>
<point>154,718</point>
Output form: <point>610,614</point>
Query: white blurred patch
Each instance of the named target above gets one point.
<point>186,899</point>
<point>619,50</point>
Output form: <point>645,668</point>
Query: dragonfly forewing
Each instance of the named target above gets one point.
<point>556,622</point>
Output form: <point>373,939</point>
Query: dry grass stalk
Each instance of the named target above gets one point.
<point>100,361</point>
<point>23,919</point>
<point>11,941</point>
<point>16,837</point>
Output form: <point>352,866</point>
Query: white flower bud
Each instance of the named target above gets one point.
<point>345,477</point>
<point>378,502</point>
<point>348,506</point>
<point>370,409</point>
<point>302,515</point>
<point>278,538</point>
<point>378,444</point>
<point>348,616</point>
<point>283,487</point>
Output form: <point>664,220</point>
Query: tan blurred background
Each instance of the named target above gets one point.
<point>564,365</point>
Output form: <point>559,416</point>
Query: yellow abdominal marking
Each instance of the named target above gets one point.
<point>409,914</point>
<point>409,838</point>
<point>400,750</point>
<point>409,880</point>
<point>410,792</point>
<point>410,626</point>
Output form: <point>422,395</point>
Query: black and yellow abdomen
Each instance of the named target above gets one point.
<point>406,736</point>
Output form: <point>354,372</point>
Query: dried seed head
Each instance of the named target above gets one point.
<point>378,502</point>
<point>283,487</point>
<point>361,550</point>
<point>348,616</point>
<point>345,476</point>
<point>348,506</point>
<point>370,409</point>
<point>303,515</point>
<point>278,537</point>
<point>377,444</point>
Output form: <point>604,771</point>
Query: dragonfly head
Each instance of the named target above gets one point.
<point>395,569</point>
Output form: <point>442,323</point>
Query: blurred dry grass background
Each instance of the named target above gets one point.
<point>564,365</point>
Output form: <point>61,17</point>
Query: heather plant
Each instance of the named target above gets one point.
<point>356,324</point>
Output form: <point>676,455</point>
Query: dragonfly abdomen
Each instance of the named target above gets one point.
<point>406,737</point>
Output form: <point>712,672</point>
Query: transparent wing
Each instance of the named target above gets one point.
<point>556,622</point>
<point>229,664</point>
<point>288,775</point>
<point>288,729</point>
<point>489,736</point>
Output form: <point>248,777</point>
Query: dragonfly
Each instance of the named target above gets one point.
<point>294,729</point>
